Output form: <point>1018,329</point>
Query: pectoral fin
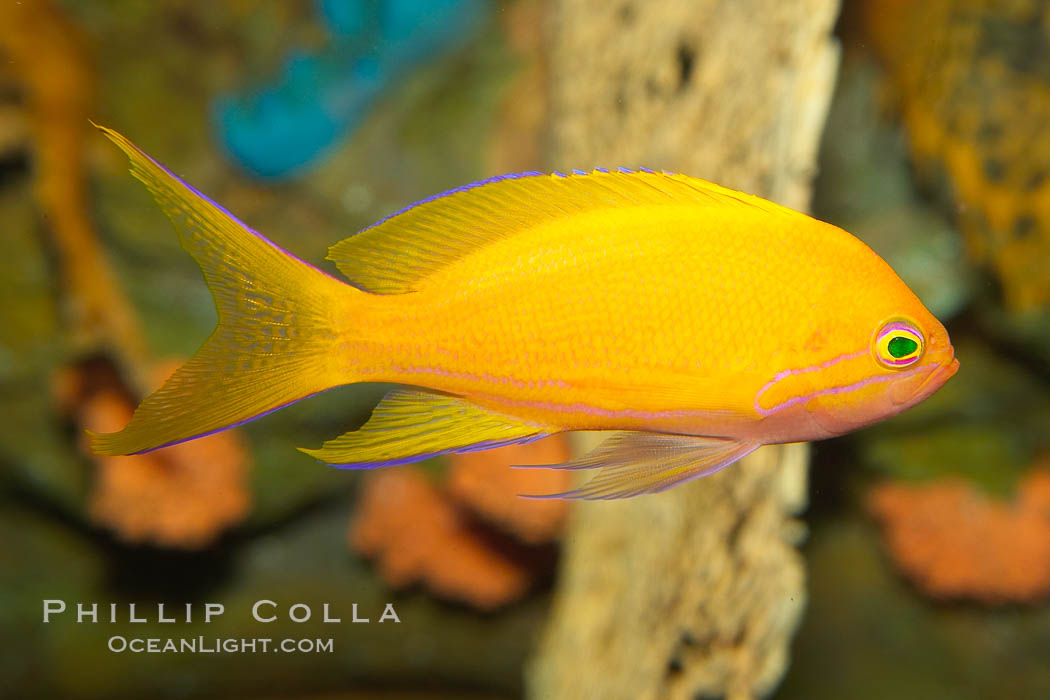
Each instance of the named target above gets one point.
<point>633,463</point>
<point>410,426</point>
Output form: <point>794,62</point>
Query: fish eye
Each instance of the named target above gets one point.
<point>898,344</point>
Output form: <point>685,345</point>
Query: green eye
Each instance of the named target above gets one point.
<point>902,346</point>
<point>898,344</point>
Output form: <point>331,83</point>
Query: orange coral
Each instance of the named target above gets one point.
<point>954,541</point>
<point>179,496</point>
<point>485,482</point>
<point>417,534</point>
<point>443,537</point>
<point>1034,493</point>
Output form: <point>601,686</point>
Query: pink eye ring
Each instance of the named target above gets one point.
<point>898,344</point>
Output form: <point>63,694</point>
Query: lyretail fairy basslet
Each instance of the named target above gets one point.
<point>697,322</point>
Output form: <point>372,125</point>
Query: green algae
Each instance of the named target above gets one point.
<point>35,443</point>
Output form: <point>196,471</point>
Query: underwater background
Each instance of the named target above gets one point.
<point>923,543</point>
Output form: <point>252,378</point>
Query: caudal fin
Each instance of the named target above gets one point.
<point>280,336</point>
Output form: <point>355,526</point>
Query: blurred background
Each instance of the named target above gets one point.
<point>926,539</point>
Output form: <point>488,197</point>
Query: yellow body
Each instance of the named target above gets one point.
<point>668,318</point>
<point>527,305</point>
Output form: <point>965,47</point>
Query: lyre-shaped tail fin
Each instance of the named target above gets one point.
<point>280,327</point>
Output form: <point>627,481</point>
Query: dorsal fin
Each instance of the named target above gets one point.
<point>393,255</point>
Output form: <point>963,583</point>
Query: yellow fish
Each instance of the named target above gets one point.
<point>698,322</point>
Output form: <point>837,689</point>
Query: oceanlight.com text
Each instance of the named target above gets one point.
<point>218,645</point>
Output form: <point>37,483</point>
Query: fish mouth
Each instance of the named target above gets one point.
<point>908,393</point>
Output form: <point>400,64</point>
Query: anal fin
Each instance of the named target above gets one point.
<point>634,463</point>
<point>410,426</point>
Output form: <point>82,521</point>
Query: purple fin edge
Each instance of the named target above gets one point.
<point>240,223</point>
<point>496,178</point>
<point>411,459</point>
<point>231,426</point>
<point>574,494</point>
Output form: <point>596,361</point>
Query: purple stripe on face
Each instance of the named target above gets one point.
<point>791,372</point>
<point>829,391</point>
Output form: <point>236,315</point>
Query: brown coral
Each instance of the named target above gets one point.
<point>486,483</point>
<point>518,134</point>
<point>416,534</point>
<point>179,496</point>
<point>58,84</point>
<point>953,541</point>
